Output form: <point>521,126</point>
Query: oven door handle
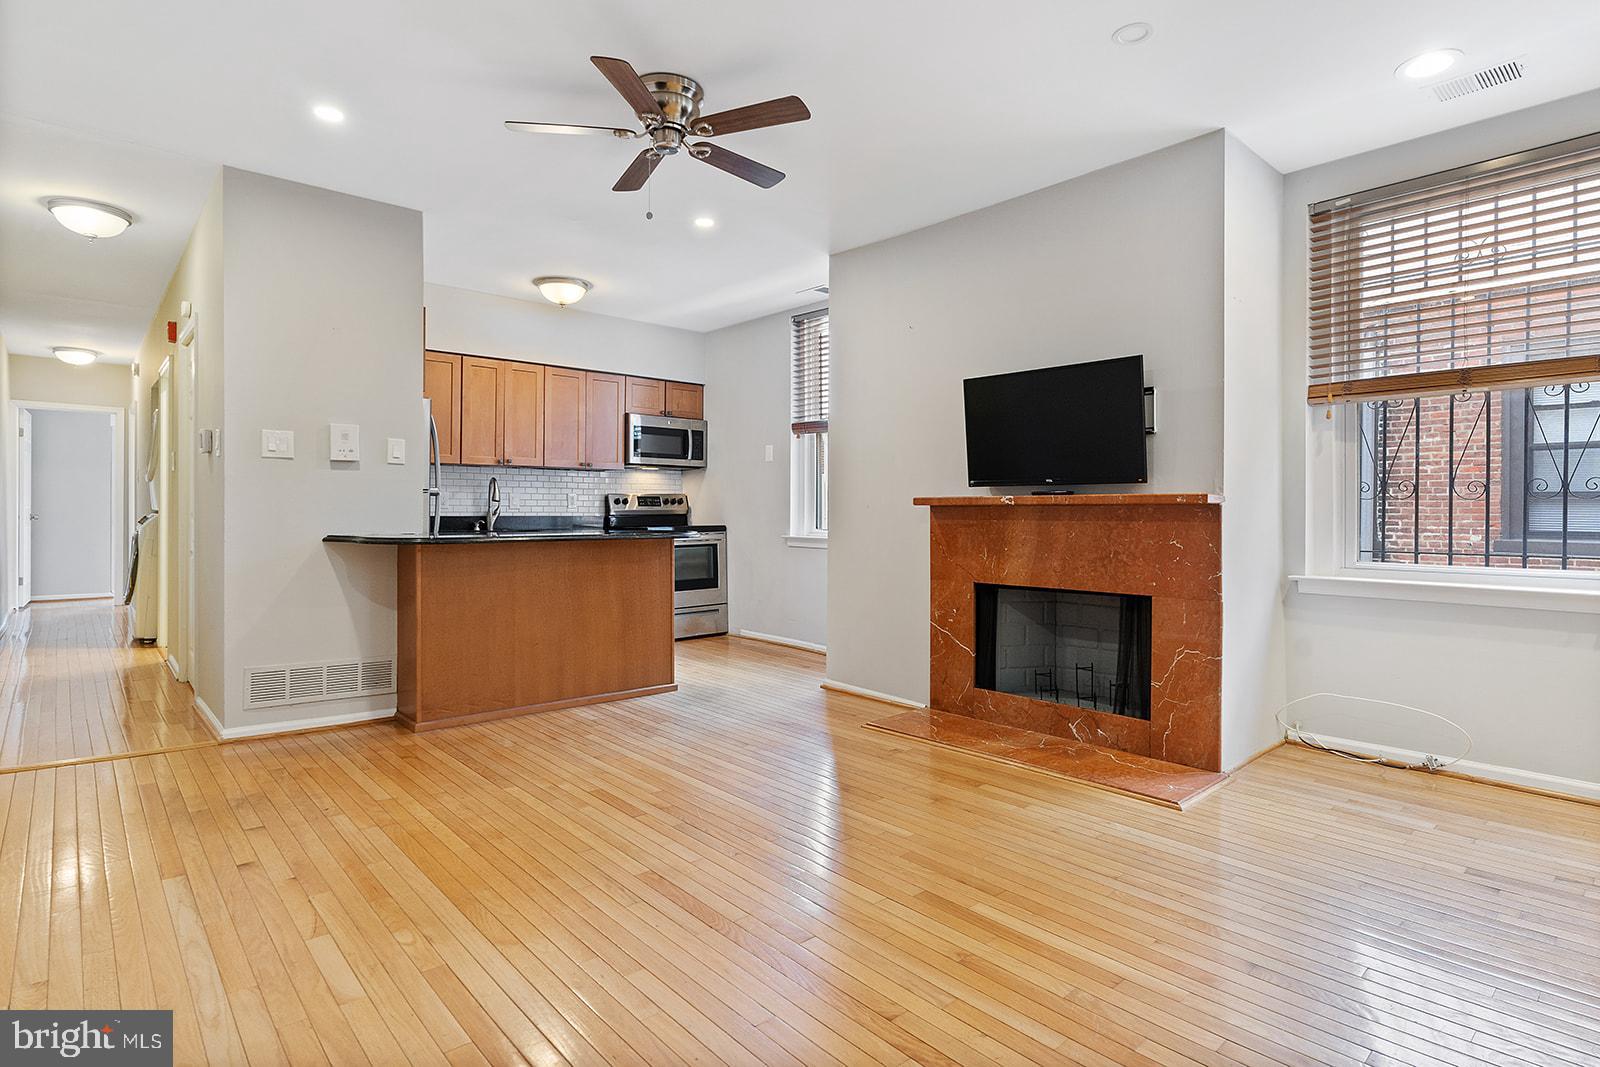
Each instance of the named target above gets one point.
<point>712,610</point>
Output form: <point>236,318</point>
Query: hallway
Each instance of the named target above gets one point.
<point>72,687</point>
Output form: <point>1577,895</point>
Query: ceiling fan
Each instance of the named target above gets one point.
<point>668,107</point>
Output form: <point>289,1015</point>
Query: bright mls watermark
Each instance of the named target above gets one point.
<point>122,1038</point>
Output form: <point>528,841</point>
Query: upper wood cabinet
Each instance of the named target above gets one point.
<point>441,384</point>
<point>522,414</point>
<point>565,396</point>
<point>647,396</point>
<point>686,401</point>
<point>482,428</point>
<point>500,412</point>
<point>602,420</point>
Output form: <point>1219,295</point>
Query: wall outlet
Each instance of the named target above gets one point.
<point>397,450</point>
<point>769,453</point>
<point>344,442</point>
<point>276,444</point>
<point>572,501</point>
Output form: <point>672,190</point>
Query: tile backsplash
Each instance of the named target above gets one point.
<point>531,491</point>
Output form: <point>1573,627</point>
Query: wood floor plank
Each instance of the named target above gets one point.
<point>739,872</point>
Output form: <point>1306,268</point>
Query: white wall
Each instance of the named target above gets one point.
<point>774,588</point>
<point>1253,679</point>
<point>8,452</point>
<point>1521,682</point>
<point>75,498</point>
<point>535,331</point>
<point>1123,260</point>
<point>323,297</point>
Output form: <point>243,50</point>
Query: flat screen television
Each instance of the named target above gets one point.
<point>1082,424</point>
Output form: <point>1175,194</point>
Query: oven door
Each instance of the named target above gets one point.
<point>654,441</point>
<point>698,571</point>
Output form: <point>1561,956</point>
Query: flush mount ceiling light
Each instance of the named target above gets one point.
<point>88,217</point>
<point>1133,33</point>
<point>704,222</point>
<point>78,357</point>
<point>1428,64</point>
<point>328,113</point>
<point>562,291</point>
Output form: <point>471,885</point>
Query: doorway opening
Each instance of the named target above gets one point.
<point>71,506</point>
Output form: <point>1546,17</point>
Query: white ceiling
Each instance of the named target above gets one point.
<point>923,109</point>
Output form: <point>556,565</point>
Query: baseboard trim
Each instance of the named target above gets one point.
<point>300,726</point>
<point>56,598</point>
<point>209,717</point>
<point>1528,781</point>
<point>175,667</point>
<point>870,694</point>
<point>787,642</point>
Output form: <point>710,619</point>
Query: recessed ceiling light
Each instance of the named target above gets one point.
<point>87,217</point>
<point>1428,64</point>
<point>328,113</point>
<point>1133,33</point>
<point>561,290</point>
<point>704,222</point>
<point>78,357</point>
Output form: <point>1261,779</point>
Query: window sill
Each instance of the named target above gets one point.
<point>797,541</point>
<point>1531,596</point>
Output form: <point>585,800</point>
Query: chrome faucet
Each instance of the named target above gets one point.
<point>493,514</point>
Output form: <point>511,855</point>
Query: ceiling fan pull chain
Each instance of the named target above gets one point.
<point>649,197</point>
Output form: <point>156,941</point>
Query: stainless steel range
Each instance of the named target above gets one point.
<point>699,555</point>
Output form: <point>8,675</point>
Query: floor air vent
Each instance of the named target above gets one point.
<point>1478,81</point>
<point>303,683</point>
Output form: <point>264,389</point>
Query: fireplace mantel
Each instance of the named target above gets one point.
<point>1165,546</point>
<point>1073,500</point>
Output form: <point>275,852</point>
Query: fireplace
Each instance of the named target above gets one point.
<point>1126,589</point>
<point>1085,649</point>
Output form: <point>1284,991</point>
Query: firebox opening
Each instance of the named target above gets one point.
<point>1091,650</point>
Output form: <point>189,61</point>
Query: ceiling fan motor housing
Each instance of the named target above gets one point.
<point>679,98</point>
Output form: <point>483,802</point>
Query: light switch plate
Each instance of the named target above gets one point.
<point>344,442</point>
<point>397,450</point>
<point>277,444</point>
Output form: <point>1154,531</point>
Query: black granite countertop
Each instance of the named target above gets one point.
<point>576,533</point>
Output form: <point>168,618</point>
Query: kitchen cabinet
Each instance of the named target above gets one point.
<point>522,414</point>
<point>602,420</point>
<point>647,396</point>
<point>441,384</point>
<point>685,400</point>
<point>565,394</point>
<point>482,431</point>
<point>500,412</point>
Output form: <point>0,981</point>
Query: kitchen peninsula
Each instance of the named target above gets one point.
<point>491,626</point>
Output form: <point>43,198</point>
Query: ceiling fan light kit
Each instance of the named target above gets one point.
<point>667,106</point>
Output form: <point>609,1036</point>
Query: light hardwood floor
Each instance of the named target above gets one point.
<point>739,873</point>
<point>72,686</point>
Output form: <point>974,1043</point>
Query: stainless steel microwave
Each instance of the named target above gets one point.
<point>657,441</point>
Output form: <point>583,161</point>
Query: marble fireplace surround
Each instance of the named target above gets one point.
<point>1164,546</point>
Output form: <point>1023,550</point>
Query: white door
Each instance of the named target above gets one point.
<point>76,550</point>
<point>25,514</point>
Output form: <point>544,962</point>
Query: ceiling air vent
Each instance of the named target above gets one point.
<point>1478,81</point>
<point>304,683</point>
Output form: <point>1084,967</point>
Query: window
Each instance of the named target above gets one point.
<point>1457,318</point>
<point>808,421</point>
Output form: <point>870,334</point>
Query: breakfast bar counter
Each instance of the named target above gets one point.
<point>495,626</point>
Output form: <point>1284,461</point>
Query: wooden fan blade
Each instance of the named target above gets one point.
<point>753,117</point>
<point>638,172</point>
<point>735,164</point>
<point>625,80</point>
<point>569,128</point>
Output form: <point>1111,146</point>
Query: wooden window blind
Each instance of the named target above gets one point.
<point>808,355</point>
<point>1483,277</point>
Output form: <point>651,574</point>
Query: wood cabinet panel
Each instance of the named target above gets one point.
<point>522,414</point>
<point>647,396</point>
<point>564,401</point>
<point>441,384</point>
<point>482,426</point>
<point>685,400</point>
<point>603,419</point>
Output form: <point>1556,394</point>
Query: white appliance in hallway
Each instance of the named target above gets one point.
<point>144,577</point>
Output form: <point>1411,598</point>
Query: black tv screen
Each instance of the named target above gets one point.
<point>1081,424</point>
